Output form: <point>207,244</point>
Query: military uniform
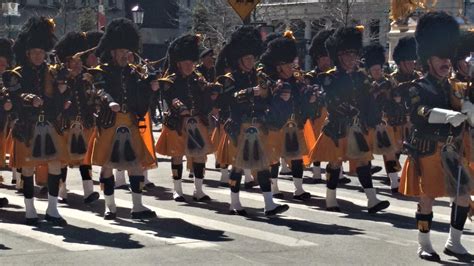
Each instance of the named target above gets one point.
<point>118,144</point>
<point>76,123</point>
<point>346,134</point>
<point>185,130</point>
<point>436,160</point>
<point>7,53</point>
<point>35,141</point>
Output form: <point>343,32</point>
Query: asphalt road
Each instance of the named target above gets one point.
<point>204,233</point>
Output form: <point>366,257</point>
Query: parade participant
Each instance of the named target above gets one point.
<point>291,103</point>
<point>322,63</point>
<point>435,166</point>
<point>76,123</point>
<point>206,68</point>
<point>243,144</point>
<point>345,134</point>
<point>404,55</point>
<point>36,101</point>
<point>124,94</point>
<point>382,124</point>
<point>189,98</point>
<point>90,59</point>
<point>6,58</point>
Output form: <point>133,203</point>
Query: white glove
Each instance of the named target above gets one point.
<point>468,109</point>
<point>444,116</point>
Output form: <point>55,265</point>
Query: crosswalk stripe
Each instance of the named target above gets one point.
<point>228,227</point>
<point>100,222</point>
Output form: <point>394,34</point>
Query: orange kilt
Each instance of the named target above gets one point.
<point>226,150</point>
<point>3,148</point>
<point>325,149</point>
<point>397,135</point>
<point>216,137</point>
<point>431,181</point>
<point>273,145</point>
<point>104,141</point>
<point>68,159</point>
<point>21,155</point>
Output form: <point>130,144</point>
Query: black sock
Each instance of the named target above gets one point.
<point>28,187</point>
<point>391,167</point>
<point>458,219</point>
<point>423,222</point>
<point>332,177</point>
<point>177,171</point>
<point>274,170</point>
<point>85,171</point>
<point>199,170</point>
<point>108,185</point>
<point>263,178</point>
<point>317,164</point>
<point>64,174</point>
<point>235,178</point>
<point>53,184</point>
<point>297,168</point>
<point>136,183</point>
<point>364,175</point>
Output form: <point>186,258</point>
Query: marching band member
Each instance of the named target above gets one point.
<point>382,124</point>
<point>345,133</point>
<point>289,109</point>
<point>189,98</point>
<point>35,97</point>
<point>76,123</point>
<point>404,55</point>
<point>436,166</point>
<point>124,94</point>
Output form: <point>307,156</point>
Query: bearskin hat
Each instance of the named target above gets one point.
<point>317,48</point>
<point>465,45</point>
<point>281,50</point>
<point>373,54</point>
<point>343,39</point>
<point>405,49</point>
<point>70,44</point>
<point>244,41</point>
<point>184,48</point>
<point>437,34</point>
<point>37,32</point>
<point>6,49</point>
<point>206,52</point>
<point>93,38</point>
<point>270,37</point>
<point>121,33</point>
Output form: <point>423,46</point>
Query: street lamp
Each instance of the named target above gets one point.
<point>137,14</point>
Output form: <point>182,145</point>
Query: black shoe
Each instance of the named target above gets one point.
<point>180,199</point>
<point>375,169</point>
<point>13,181</point>
<point>461,257</point>
<point>149,185</point>
<point>379,206</point>
<point>315,181</point>
<point>202,199</point>
<point>63,201</point>
<point>191,175</point>
<point>91,198</point>
<point>242,212</point>
<point>110,216</point>
<point>333,209</point>
<point>32,221</point>
<point>279,196</point>
<point>124,187</point>
<point>286,173</point>
<point>429,256</point>
<point>3,202</point>
<point>303,196</point>
<point>56,221</point>
<point>279,209</point>
<point>395,191</point>
<point>343,180</point>
<point>249,185</point>
<point>43,190</point>
<point>147,214</point>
